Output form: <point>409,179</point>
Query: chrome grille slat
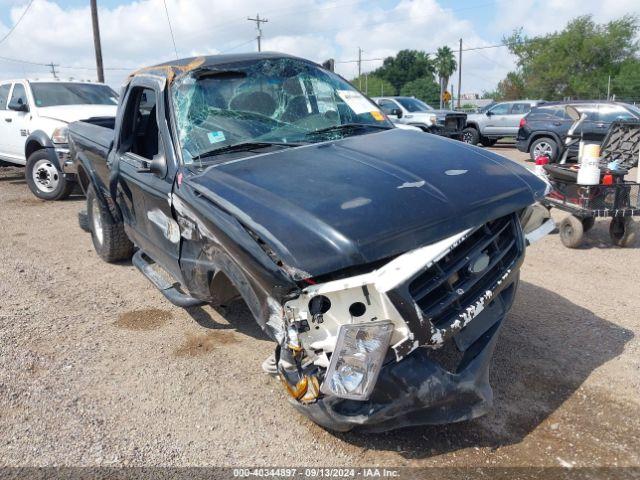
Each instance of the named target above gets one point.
<point>462,257</point>
<point>448,287</point>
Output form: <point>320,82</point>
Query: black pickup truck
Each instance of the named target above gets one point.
<point>369,254</point>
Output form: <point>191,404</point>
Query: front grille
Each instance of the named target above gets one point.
<point>449,287</point>
<point>451,123</point>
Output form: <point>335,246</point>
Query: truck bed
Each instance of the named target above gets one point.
<point>91,140</point>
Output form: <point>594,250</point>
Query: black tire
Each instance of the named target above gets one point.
<point>83,221</point>
<point>588,223</point>
<point>109,239</point>
<point>544,145</point>
<point>44,179</point>
<point>571,232</point>
<point>471,136</point>
<point>623,231</point>
<point>488,142</point>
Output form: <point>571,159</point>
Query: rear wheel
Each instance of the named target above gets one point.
<point>44,179</point>
<point>488,142</point>
<point>571,232</point>
<point>109,238</point>
<point>623,231</point>
<point>544,147</point>
<point>470,135</point>
<point>588,223</point>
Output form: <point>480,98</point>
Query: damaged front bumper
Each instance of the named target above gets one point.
<point>445,302</point>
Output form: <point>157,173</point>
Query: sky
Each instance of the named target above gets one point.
<point>136,33</point>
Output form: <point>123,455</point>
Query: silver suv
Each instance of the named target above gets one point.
<point>500,121</point>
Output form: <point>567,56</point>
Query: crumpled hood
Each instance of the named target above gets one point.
<point>73,113</point>
<point>329,206</point>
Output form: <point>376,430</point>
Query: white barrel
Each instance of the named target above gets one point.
<point>589,172</point>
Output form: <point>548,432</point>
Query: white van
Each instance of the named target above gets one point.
<point>34,115</point>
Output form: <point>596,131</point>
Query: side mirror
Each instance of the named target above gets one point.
<point>19,105</point>
<point>397,112</point>
<point>489,113</point>
<point>157,166</point>
<point>573,112</point>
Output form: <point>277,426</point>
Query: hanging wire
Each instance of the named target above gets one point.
<point>170,29</point>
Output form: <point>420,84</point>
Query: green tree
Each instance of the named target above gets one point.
<point>445,64</point>
<point>425,88</point>
<point>373,85</point>
<point>626,84</point>
<point>575,62</point>
<point>512,87</point>
<point>406,66</point>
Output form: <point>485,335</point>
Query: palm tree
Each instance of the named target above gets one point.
<point>445,63</point>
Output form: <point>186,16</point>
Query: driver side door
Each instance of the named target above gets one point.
<point>146,171</point>
<point>497,119</point>
<point>6,120</point>
<point>16,119</point>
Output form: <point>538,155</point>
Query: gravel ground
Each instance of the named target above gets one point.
<point>97,368</point>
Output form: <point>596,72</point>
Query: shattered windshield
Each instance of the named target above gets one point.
<point>284,102</point>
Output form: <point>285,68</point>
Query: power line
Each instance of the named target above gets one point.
<point>166,10</point>
<point>470,49</point>
<point>42,64</point>
<point>237,46</point>
<point>17,22</point>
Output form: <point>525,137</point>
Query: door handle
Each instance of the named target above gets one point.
<point>600,125</point>
<point>557,124</point>
<point>9,120</point>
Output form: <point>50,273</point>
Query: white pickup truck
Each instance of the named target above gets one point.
<point>33,128</point>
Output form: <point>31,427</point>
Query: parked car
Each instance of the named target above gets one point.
<point>411,111</point>
<point>501,120</point>
<point>363,250</point>
<point>33,130</point>
<point>544,129</point>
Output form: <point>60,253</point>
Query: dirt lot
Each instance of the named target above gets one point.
<point>97,368</point>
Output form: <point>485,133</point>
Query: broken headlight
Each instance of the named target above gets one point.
<point>357,359</point>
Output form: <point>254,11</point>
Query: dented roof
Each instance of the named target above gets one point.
<point>177,68</point>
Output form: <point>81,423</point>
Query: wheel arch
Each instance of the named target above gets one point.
<point>544,134</point>
<point>39,140</point>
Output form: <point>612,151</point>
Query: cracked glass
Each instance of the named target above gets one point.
<point>285,102</point>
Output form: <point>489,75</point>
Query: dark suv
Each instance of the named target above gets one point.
<point>543,130</point>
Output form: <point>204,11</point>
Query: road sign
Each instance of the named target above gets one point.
<point>446,96</point>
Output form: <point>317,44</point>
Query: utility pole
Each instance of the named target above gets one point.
<point>96,40</point>
<point>53,69</point>
<point>609,87</point>
<point>359,69</point>
<point>258,21</point>
<point>459,73</point>
<point>452,90</point>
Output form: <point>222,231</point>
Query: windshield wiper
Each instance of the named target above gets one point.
<point>348,126</point>
<point>244,147</point>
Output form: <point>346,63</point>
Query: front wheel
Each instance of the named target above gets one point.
<point>544,147</point>
<point>44,179</point>
<point>471,136</point>
<point>109,238</point>
<point>623,231</point>
<point>571,232</point>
